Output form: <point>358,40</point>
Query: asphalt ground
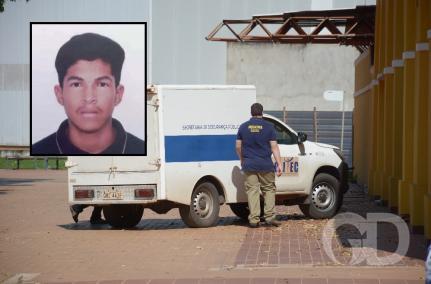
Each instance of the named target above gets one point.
<point>40,243</point>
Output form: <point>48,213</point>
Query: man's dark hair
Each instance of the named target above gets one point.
<point>256,109</point>
<point>90,46</point>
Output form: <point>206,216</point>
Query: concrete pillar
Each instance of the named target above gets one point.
<point>381,106</point>
<point>373,133</point>
<point>362,118</point>
<point>427,200</point>
<point>397,113</point>
<point>387,129</point>
<point>420,119</point>
<point>373,189</point>
<point>408,107</point>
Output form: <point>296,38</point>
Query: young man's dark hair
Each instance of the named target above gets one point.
<point>90,46</point>
<point>256,109</point>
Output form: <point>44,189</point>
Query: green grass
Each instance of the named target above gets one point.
<point>31,164</point>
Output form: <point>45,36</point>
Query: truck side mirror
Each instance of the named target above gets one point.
<point>302,137</point>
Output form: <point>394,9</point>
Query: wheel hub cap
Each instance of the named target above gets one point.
<point>202,204</point>
<point>322,196</point>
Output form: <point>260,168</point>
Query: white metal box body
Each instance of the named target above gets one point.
<point>191,133</point>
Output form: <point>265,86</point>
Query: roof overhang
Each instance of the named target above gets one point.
<point>344,26</point>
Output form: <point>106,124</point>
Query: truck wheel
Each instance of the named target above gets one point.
<point>204,207</point>
<point>325,198</point>
<point>123,215</point>
<point>241,210</point>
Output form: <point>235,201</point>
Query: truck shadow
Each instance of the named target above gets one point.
<point>154,224</point>
<point>299,231</point>
<point>20,182</point>
<point>5,183</point>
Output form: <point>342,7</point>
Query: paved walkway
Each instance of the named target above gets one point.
<point>39,238</point>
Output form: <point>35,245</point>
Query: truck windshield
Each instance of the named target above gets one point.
<point>284,136</point>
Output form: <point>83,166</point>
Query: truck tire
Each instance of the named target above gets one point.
<point>123,215</point>
<point>325,198</point>
<point>204,207</point>
<point>241,210</point>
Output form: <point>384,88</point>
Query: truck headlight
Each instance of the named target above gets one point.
<point>339,154</point>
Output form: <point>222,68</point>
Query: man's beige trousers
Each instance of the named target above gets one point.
<point>256,182</point>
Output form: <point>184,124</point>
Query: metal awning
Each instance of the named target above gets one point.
<point>345,26</point>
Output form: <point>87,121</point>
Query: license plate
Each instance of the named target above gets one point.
<point>112,193</point>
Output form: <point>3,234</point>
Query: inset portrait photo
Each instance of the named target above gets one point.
<point>88,89</point>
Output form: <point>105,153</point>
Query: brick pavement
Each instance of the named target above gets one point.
<point>299,240</point>
<point>250,281</point>
<point>37,235</point>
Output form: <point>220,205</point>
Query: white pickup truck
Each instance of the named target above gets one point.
<point>191,163</point>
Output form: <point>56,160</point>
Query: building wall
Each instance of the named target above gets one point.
<point>178,52</point>
<point>181,53</point>
<point>14,105</point>
<point>294,76</point>
<point>394,110</point>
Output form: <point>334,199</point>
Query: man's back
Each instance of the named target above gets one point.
<point>256,135</point>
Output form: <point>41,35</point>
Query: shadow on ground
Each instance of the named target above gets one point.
<point>152,224</point>
<point>297,229</point>
<point>20,182</point>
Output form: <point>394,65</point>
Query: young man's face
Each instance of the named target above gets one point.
<point>89,95</point>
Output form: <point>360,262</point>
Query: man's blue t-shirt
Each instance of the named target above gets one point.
<point>256,135</point>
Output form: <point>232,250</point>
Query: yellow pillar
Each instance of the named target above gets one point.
<point>357,130</point>
<point>379,104</point>
<point>381,163</point>
<point>369,127</point>
<point>373,157</point>
<point>388,104</point>
<point>427,200</point>
<point>420,119</point>
<point>358,117</point>
<point>397,111</point>
<point>361,117</point>
<point>380,136</point>
<point>373,189</point>
<point>408,88</point>
<point>368,121</point>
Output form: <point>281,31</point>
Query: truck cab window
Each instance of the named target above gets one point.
<point>284,136</point>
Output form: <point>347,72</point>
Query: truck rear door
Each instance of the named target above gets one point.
<point>119,171</point>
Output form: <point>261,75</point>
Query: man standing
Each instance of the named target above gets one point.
<point>256,141</point>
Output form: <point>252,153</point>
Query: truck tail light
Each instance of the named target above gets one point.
<point>84,194</point>
<point>144,193</point>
